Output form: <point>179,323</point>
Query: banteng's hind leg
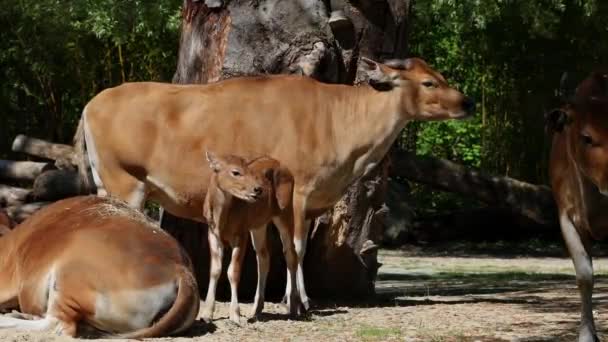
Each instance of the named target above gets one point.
<point>578,247</point>
<point>124,186</point>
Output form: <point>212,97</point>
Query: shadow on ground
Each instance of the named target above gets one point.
<point>546,294</point>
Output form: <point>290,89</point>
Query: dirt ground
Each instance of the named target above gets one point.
<point>428,296</point>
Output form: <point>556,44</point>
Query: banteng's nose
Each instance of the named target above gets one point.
<point>468,104</point>
<point>257,190</point>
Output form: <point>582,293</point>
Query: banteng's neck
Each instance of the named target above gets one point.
<point>370,123</point>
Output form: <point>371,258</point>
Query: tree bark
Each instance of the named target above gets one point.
<point>21,170</point>
<point>342,257</point>
<point>308,37</point>
<point>63,154</point>
<point>532,201</point>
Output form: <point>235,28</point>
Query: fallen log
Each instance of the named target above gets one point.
<point>10,195</point>
<point>22,170</point>
<point>19,213</point>
<point>54,185</point>
<point>479,224</point>
<point>530,200</point>
<point>63,154</point>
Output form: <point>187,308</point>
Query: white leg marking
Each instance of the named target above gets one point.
<point>234,271</point>
<point>300,246</point>
<point>584,277</point>
<point>216,251</point>
<point>93,157</point>
<point>291,290</point>
<point>258,240</point>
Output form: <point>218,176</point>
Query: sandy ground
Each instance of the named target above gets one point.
<point>427,298</point>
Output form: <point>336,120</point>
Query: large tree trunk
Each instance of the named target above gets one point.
<point>309,37</point>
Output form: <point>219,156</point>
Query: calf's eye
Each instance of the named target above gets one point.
<point>586,139</point>
<point>236,173</point>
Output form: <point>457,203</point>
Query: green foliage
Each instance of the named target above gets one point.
<point>458,141</point>
<point>55,55</point>
<point>509,56</point>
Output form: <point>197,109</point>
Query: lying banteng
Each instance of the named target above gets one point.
<point>243,197</point>
<point>89,262</point>
<point>579,178</point>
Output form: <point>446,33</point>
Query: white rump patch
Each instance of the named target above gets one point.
<point>130,310</point>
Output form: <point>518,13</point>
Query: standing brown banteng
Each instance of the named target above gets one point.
<point>147,140</point>
<point>94,262</point>
<point>579,178</point>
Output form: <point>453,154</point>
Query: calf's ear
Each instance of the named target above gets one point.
<point>214,162</point>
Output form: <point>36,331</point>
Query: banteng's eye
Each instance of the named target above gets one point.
<point>235,173</point>
<point>429,84</point>
<point>586,139</point>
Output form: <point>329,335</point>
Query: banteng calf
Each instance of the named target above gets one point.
<point>243,197</point>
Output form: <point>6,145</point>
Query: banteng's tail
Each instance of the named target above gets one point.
<point>180,316</point>
<point>81,156</point>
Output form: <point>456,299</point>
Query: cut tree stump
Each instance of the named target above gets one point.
<point>11,196</point>
<point>63,155</point>
<point>17,171</point>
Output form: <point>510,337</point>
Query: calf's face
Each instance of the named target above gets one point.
<point>253,180</point>
<point>234,177</point>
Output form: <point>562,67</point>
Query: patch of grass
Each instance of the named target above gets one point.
<point>372,333</point>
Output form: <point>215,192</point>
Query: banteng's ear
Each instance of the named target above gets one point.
<point>283,186</point>
<point>380,76</point>
<point>556,120</point>
<point>567,87</point>
<point>213,161</point>
<point>401,64</point>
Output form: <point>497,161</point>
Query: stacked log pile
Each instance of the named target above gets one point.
<point>27,186</point>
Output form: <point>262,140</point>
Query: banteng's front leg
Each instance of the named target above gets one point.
<point>292,297</point>
<point>578,248</point>
<point>234,276</point>
<point>258,240</point>
<point>216,251</point>
<point>300,240</point>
